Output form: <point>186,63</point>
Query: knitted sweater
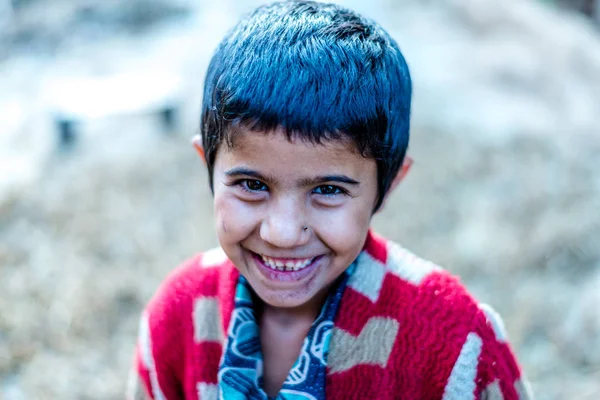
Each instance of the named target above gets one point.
<point>405,329</point>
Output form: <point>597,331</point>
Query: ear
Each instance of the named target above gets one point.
<point>402,172</point>
<point>406,165</point>
<point>197,143</point>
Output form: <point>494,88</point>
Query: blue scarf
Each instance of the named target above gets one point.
<point>241,369</point>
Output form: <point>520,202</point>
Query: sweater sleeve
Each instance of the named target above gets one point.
<point>499,376</point>
<point>150,375</point>
<point>138,384</point>
<point>159,355</point>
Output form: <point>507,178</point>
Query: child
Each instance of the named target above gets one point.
<point>305,127</point>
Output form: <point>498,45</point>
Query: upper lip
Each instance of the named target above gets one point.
<point>285,258</point>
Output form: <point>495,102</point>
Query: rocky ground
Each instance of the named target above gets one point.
<point>504,191</point>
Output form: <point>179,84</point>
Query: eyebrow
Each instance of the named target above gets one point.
<point>243,171</point>
<point>320,179</point>
<point>328,178</point>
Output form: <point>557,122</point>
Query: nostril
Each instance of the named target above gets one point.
<point>283,235</point>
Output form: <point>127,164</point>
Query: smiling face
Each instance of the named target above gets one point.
<point>291,215</point>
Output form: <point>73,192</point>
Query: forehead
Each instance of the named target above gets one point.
<point>273,151</point>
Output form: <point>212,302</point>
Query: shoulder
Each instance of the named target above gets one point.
<point>431,304</point>
<point>196,277</point>
<point>388,273</point>
<point>193,287</point>
<point>435,307</point>
<point>437,290</point>
<point>185,312</point>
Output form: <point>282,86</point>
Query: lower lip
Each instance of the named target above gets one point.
<point>285,276</point>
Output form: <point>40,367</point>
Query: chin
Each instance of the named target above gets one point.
<point>283,298</point>
<point>278,302</point>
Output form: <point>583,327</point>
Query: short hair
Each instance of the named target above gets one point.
<point>319,72</point>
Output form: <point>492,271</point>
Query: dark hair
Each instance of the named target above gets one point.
<point>318,71</point>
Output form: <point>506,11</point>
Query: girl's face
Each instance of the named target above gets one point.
<point>292,216</point>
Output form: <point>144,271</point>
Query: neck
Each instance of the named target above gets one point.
<point>302,314</point>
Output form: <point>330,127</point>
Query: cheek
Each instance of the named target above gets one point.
<point>344,230</point>
<point>235,220</point>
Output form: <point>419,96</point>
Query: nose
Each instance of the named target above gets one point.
<point>284,223</point>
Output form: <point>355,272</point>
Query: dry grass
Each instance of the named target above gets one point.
<point>84,247</point>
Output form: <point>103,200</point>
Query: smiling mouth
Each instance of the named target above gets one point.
<point>285,264</point>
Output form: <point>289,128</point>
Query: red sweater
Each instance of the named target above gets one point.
<point>405,329</point>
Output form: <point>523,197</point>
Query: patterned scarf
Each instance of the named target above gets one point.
<point>241,369</point>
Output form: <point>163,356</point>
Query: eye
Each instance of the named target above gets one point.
<point>329,190</point>
<point>252,185</point>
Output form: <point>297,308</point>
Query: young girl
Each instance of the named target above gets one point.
<point>305,127</point>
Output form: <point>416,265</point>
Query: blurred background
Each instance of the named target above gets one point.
<point>101,194</point>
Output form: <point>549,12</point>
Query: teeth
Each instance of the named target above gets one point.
<point>279,265</point>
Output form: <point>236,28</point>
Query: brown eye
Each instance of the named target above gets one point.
<point>254,185</point>
<point>328,190</point>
